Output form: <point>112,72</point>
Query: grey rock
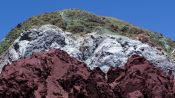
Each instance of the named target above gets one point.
<point>102,50</point>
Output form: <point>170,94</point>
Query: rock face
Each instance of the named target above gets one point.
<point>95,49</point>
<point>54,74</point>
<point>42,76</point>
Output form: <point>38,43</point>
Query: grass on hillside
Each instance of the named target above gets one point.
<point>77,21</point>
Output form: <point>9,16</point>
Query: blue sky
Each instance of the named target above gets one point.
<point>155,15</point>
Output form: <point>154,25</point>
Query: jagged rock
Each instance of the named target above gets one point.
<point>54,74</point>
<point>103,50</point>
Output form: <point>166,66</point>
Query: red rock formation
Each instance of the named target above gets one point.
<point>52,74</point>
<point>55,74</point>
<point>140,79</point>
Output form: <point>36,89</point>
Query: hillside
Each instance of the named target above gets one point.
<point>82,22</point>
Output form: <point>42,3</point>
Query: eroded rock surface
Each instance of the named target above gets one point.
<point>96,50</point>
<point>54,74</point>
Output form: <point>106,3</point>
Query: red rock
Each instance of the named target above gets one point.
<point>54,74</point>
<point>140,79</point>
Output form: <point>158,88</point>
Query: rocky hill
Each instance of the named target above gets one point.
<point>97,54</point>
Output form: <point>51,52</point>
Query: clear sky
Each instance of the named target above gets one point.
<point>155,15</point>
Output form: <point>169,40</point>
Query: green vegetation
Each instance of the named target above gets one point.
<point>80,22</point>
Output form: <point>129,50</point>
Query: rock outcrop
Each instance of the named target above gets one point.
<point>54,74</point>
<point>95,49</point>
